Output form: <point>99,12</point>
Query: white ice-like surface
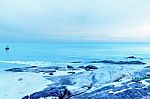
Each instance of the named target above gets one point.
<point>12,88</point>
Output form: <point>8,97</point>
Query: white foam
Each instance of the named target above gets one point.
<point>30,63</point>
<point>120,91</point>
<point>145,83</point>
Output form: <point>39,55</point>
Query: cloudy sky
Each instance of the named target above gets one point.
<point>74,20</point>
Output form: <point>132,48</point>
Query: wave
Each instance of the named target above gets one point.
<point>30,63</point>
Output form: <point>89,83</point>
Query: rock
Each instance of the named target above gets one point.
<point>121,62</point>
<point>133,57</point>
<point>96,62</point>
<point>118,62</point>
<point>103,61</point>
<point>51,73</point>
<point>71,72</point>
<point>147,89</point>
<point>60,92</point>
<point>57,68</point>
<point>82,67</point>
<point>20,79</point>
<point>15,70</point>
<point>77,62</point>
<point>33,69</point>
<point>70,67</point>
<point>121,93</point>
<point>26,97</point>
<point>129,94</point>
<point>131,62</point>
<point>34,66</point>
<point>148,74</point>
<point>147,67</point>
<point>28,67</point>
<point>90,67</point>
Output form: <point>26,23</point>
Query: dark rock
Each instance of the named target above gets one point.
<point>93,95</point>
<point>90,67</point>
<point>147,89</point>
<point>147,67</point>
<point>135,62</point>
<point>70,67</point>
<point>34,66</point>
<point>60,92</point>
<point>51,73</point>
<point>56,67</point>
<point>71,72</point>
<point>77,62</point>
<point>28,67</point>
<point>106,61</point>
<point>129,94</point>
<point>143,92</point>
<point>96,61</point>
<point>111,96</point>
<point>26,97</point>
<point>130,62</point>
<point>118,62</point>
<point>33,69</point>
<point>82,67</point>
<point>124,62</point>
<point>7,48</point>
<point>15,70</point>
<point>147,74</point>
<point>20,79</point>
<point>131,57</point>
<point>118,96</point>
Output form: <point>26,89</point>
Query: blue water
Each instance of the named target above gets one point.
<point>68,52</point>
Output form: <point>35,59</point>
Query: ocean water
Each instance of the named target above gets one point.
<point>47,54</point>
<point>62,54</point>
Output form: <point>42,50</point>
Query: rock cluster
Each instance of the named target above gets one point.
<point>119,62</point>
<point>59,92</point>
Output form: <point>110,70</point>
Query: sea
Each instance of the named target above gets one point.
<point>62,53</point>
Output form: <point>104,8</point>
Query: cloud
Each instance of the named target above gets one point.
<point>73,20</point>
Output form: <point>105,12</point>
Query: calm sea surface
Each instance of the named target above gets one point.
<point>53,53</point>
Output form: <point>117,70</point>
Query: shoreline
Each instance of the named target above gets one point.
<point>73,82</point>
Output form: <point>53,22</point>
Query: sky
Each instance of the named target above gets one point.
<point>74,20</point>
